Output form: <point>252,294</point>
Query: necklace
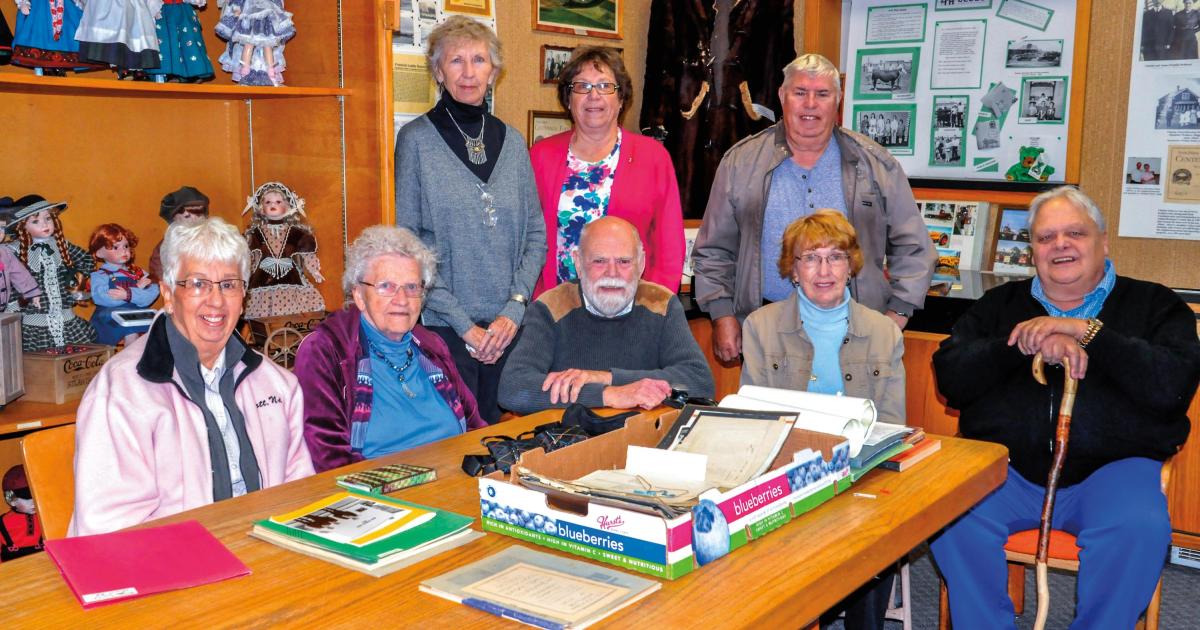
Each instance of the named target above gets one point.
<point>476,152</point>
<point>398,370</point>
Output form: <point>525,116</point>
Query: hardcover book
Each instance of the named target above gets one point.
<point>374,534</point>
<point>918,452</point>
<point>387,479</point>
<point>540,589</point>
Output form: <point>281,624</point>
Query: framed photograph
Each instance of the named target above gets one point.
<point>886,73</point>
<point>480,8</point>
<point>554,59</point>
<point>546,124</point>
<point>890,125</point>
<point>1034,53</point>
<point>1043,100</point>
<point>948,131</point>
<point>592,18</point>
<point>1013,253</point>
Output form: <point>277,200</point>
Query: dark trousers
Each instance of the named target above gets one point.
<point>866,606</point>
<point>483,380</point>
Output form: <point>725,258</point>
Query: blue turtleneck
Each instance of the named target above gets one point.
<point>826,328</point>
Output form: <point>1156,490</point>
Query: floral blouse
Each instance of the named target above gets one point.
<point>584,198</point>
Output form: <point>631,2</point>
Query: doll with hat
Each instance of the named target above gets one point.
<point>15,279</point>
<point>20,529</point>
<point>118,284</point>
<point>55,264</point>
<point>185,204</point>
<point>282,250</point>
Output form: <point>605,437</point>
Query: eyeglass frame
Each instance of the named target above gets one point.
<point>616,87</point>
<point>834,259</point>
<point>377,287</point>
<point>203,287</point>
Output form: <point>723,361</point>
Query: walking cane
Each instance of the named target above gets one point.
<point>1061,436</point>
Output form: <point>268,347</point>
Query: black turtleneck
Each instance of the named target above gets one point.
<point>469,118</point>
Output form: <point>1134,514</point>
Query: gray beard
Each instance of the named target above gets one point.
<point>608,305</point>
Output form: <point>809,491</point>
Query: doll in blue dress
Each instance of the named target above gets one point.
<point>184,57</point>
<point>44,38</point>
<point>118,284</point>
<point>256,31</point>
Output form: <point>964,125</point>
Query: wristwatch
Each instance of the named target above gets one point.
<point>1093,328</point>
<point>518,298</point>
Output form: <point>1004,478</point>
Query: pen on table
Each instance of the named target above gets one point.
<point>863,495</point>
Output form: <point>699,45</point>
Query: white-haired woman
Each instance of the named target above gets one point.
<point>188,414</point>
<point>376,381</point>
<point>464,185</point>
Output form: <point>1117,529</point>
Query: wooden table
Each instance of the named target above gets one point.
<point>785,579</point>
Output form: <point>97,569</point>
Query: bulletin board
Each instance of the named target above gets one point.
<point>970,93</point>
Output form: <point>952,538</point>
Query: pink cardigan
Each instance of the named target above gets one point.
<point>644,192</point>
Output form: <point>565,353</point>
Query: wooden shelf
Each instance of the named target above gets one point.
<point>84,86</point>
<point>20,416</point>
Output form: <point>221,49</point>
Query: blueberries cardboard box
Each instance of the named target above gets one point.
<point>810,468</point>
<point>53,377</point>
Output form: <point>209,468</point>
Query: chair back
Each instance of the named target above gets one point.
<point>50,468</point>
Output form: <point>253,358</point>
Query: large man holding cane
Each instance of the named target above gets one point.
<point>1133,346</point>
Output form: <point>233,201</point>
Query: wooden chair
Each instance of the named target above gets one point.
<point>1064,554</point>
<point>50,467</point>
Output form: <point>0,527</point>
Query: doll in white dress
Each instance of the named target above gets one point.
<point>256,31</point>
<point>119,33</point>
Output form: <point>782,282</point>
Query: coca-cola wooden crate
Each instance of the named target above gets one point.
<point>53,376</point>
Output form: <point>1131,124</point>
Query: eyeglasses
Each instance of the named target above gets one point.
<point>584,87</point>
<point>836,259</point>
<point>387,288</point>
<point>201,287</point>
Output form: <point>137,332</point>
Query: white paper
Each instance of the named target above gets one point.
<point>849,417</point>
<point>661,464</point>
<point>958,54</point>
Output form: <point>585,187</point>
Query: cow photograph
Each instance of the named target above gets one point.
<point>886,73</point>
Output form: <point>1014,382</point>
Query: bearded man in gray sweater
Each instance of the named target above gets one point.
<point>609,340</point>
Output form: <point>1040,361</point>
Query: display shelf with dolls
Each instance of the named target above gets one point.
<point>118,285</point>
<point>120,34</point>
<point>44,38</point>
<point>283,255</point>
<point>256,32</point>
<point>20,529</point>
<point>183,55</point>
<point>183,205</point>
<point>56,265</point>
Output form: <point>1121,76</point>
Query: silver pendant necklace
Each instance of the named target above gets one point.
<point>398,370</point>
<point>476,151</point>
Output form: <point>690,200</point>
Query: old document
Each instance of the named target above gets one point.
<point>548,593</point>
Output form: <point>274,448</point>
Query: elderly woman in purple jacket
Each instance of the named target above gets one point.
<point>375,381</point>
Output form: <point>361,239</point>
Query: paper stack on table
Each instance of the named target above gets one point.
<point>849,417</point>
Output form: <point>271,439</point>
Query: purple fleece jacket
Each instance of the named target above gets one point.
<point>326,366</point>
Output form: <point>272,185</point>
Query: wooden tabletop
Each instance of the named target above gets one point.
<point>784,579</point>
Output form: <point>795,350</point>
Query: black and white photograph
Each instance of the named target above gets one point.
<point>886,72</point>
<point>889,125</point>
<point>950,112</point>
<point>1043,100</point>
<point>1144,171</point>
<point>1169,29</point>
<point>554,59</point>
<point>1178,106</point>
<point>948,5</point>
<point>946,149</point>
<point>1034,53</point>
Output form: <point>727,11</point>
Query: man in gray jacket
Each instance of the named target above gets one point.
<point>802,164</point>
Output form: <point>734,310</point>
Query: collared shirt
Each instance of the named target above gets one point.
<point>587,304</point>
<point>1092,302</point>
<point>212,400</point>
<point>797,192</point>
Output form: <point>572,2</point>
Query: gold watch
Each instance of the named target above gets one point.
<point>1093,327</point>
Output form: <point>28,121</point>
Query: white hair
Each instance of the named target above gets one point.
<point>385,240</point>
<point>210,240</point>
<point>1073,196</point>
<point>816,65</point>
<point>456,30</point>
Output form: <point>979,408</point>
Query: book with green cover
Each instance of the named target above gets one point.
<point>385,479</point>
<point>366,532</point>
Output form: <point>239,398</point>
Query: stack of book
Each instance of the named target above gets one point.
<point>921,448</point>
<point>367,532</point>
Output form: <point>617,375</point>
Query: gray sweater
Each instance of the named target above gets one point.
<point>440,200</point>
<point>651,341</point>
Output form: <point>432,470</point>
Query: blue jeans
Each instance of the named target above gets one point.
<point>1119,517</point>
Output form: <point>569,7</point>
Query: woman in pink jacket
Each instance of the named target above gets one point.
<point>600,169</point>
<point>187,415</point>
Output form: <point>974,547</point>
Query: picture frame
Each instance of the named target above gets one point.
<point>590,18</point>
<point>480,8</point>
<point>554,59</point>
<point>543,124</point>
<point>1011,251</point>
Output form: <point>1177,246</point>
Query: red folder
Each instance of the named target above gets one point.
<point>108,568</point>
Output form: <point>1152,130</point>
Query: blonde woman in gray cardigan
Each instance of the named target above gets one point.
<point>465,186</point>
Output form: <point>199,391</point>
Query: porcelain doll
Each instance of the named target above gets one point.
<point>44,38</point>
<point>16,283</point>
<point>119,33</point>
<point>185,204</point>
<point>256,31</point>
<point>118,284</point>
<point>182,53</point>
<point>20,529</point>
<point>282,251</point>
<point>56,266</point>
